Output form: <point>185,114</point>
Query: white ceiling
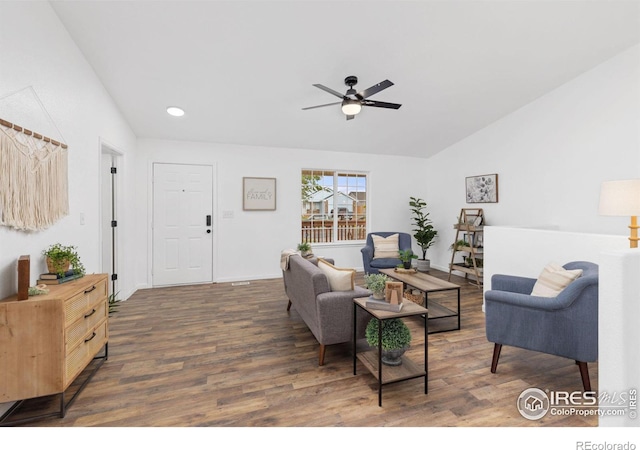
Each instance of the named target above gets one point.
<point>244,70</point>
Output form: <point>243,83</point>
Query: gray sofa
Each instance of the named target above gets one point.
<point>329,315</point>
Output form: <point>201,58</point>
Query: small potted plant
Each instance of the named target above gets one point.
<point>396,338</point>
<point>458,245</point>
<point>60,257</point>
<point>406,256</point>
<point>305,249</point>
<point>376,283</point>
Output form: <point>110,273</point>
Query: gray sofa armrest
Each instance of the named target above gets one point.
<point>332,308</point>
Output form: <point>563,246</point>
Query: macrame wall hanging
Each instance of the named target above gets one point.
<point>33,179</point>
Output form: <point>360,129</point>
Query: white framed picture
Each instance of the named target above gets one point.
<point>258,194</point>
<point>482,188</point>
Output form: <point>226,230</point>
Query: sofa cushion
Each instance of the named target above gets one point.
<point>553,279</point>
<point>385,247</point>
<point>339,279</point>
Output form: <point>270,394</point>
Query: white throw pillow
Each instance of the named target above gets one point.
<point>339,279</point>
<point>553,279</point>
<point>385,247</point>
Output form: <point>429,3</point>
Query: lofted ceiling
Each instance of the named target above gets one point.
<point>243,70</point>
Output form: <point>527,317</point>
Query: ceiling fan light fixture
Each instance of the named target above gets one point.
<point>351,107</point>
<point>175,111</point>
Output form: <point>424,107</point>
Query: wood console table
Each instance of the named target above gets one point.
<point>372,359</point>
<point>47,340</point>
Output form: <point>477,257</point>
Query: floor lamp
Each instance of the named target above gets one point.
<point>622,198</point>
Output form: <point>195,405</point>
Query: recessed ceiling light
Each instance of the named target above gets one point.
<point>175,111</point>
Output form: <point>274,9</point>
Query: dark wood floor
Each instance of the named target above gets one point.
<point>220,355</point>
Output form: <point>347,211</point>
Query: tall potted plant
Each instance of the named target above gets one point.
<point>424,231</point>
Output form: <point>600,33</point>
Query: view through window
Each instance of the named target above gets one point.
<point>334,206</point>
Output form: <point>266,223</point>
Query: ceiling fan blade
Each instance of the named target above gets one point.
<point>381,104</point>
<point>374,89</point>
<point>321,106</point>
<point>329,90</point>
<point>350,117</point>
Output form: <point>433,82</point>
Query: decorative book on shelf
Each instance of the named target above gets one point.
<point>55,276</point>
<point>382,304</point>
<point>60,280</point>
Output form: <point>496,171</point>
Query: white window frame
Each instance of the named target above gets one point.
<point>361,234</point>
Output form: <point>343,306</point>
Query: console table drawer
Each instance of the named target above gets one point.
<point>79,329</point>
<point>82,355</point>
<point>83,303</point>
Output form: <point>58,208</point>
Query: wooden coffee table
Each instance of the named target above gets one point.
<point>429,284</point>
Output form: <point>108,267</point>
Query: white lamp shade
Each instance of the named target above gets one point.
<point>620,198</point>
<point>351,107</point>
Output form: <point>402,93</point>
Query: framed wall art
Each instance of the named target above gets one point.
<point>482,188</point>
<point>258,194</point>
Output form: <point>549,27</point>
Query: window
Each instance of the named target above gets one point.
<point>334,205</point>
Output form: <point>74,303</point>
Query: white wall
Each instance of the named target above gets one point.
<point>248,245</point>
<point>619,354</point>
<point>550,157</point>
<point>525,251</point>
<point>40,63</point>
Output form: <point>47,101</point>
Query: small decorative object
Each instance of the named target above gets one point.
<point>482,188</point>
<point>376,283</point>
<point>396,338</point>
<point>39,289</point>
<point>424,232</point>
<point>393,292</point>
<point>305,250</point>
<point>406,256</point>
<point>24,269</point>
<point>258,194</point>
<point>60,257</point>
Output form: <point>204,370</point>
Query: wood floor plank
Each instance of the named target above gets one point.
<point>232,356</point>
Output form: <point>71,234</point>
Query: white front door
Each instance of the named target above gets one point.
<point>182,224</point>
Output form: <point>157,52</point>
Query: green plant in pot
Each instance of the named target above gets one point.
<point>458,245</point>
<point>305,249</point>
<point>60,257</point>
<point>406,256</point>
<point>376,283</point>
<point>396,338</point>
<point>424,232</point>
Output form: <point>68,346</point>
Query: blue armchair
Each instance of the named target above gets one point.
<point>371,263</point>
<point>566,325</point>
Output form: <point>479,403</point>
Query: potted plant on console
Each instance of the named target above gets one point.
<point>376,283</point>
<point>424,232</point>
<point>396,338</point>
<point>60,257</point>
